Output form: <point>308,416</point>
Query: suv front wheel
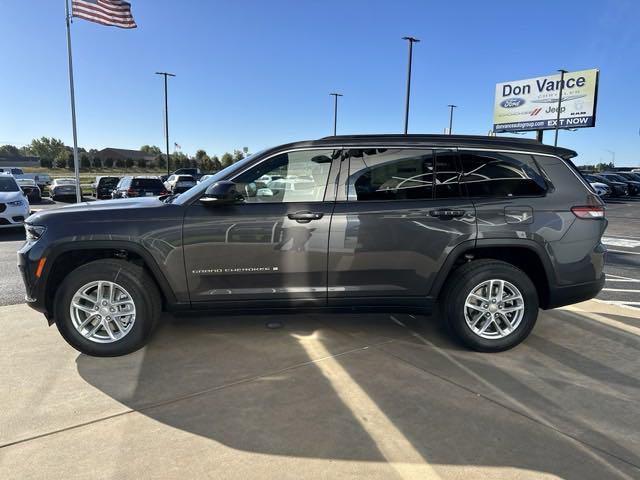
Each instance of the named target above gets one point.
<point>490,305</point>
<point>107,307</point>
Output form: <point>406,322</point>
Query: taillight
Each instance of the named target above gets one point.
<point>588,212</point>
<point>132,193</point>
<point>164,192</point>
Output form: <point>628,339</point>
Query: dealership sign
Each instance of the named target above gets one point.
<point>533,104</point>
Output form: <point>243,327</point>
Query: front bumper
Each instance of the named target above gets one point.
<point>14,216</point>
<point>27,265</point>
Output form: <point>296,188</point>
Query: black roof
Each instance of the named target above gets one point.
<point>477,141</point>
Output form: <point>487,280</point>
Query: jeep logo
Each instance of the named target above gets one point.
<point>512,102</point>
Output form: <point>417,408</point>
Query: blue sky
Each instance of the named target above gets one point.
<point>258,73</point>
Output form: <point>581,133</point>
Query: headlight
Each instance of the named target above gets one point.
<point>34,232</point>
<point>17,203</point>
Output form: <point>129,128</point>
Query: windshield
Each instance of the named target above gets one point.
<point>64,181</point>
<point>109,181</point>
<point>8,184</point>
<point>196,191</point>
<point>154,183</point>
<point>615,178</point>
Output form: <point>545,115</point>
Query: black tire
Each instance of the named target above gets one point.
<point>461,283</point>
<point>135,281</point>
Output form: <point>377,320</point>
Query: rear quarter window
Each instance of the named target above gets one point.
<point>501,174</point>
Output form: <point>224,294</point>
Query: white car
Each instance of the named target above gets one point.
<point>179,183</point>
<point>14,206</point>
<point>204,178</point>
<point>62,187</point>
<point>602,189</point>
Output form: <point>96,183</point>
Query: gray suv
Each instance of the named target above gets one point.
<point>489,228</point>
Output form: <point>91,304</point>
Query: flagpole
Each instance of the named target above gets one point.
<point>76,164</point>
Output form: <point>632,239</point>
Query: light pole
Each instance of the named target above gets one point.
<point>562,72</point>
<point>451,107</point>
<point>613,156</point>
<point>166,116</point>
<point>411,41</point>
<point>335,111</point>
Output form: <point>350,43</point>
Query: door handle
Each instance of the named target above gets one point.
<point>447,213</point>
<point>305,217</point>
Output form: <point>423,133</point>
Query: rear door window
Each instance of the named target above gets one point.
<point>384,174</point>
<point>500,174</point>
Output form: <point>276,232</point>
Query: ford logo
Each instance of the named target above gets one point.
<point>512,102</point>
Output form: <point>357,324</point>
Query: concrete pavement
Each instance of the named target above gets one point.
<point>340,396</point>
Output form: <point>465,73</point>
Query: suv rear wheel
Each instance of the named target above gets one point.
<point>107,308</point>
<point>490,305</point>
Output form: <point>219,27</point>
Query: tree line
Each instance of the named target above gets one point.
<point>54,154</point>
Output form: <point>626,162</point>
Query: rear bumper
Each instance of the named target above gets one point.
<point>561,296</point>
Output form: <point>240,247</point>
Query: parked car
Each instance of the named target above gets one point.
<point>30,189</point>
<point>15,171</point>
<point>633,186</point>
<point>204,178</point>
<point>14,205</point>
<point>634,177</point>
<point>102,187</point>
<point>413,221</point>
<point>618,189</point>
<point>43,180</point>
<point>62,188</point>
<point>139,186</point>
<point>601,189</point>
<point>194,172</point>
<point>179,183</point>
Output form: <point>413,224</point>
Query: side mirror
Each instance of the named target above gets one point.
<point>221,193</point>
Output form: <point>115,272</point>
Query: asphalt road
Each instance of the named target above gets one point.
<point>622,240</point>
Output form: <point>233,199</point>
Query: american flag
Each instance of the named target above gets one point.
<point>116,13</point>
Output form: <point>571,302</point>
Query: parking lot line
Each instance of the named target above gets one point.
<point>621,242</point>
<point>622,251</point>
<point>626,280</point>
<point>620,290</point>
<point>505,399</point>
<point>621,303</point>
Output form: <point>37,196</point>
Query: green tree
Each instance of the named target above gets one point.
<point>47,148</point>
<point>10,151</point>
<point>226,160</point>
<point>161,161</point>
<point>84,161</point>
<point>215,163</point>
<point>150,149</point>
<point>142,163</point>
<point>108,162</point>
<point>70,162</point>
<point>201,155</point>
<point>119,163</point>
<point>128,163</point>
<point>238,155</point>
<point>44,163</point>
<point>96,162</point>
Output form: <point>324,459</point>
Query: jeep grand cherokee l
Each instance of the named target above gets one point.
<point>490,228</point>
